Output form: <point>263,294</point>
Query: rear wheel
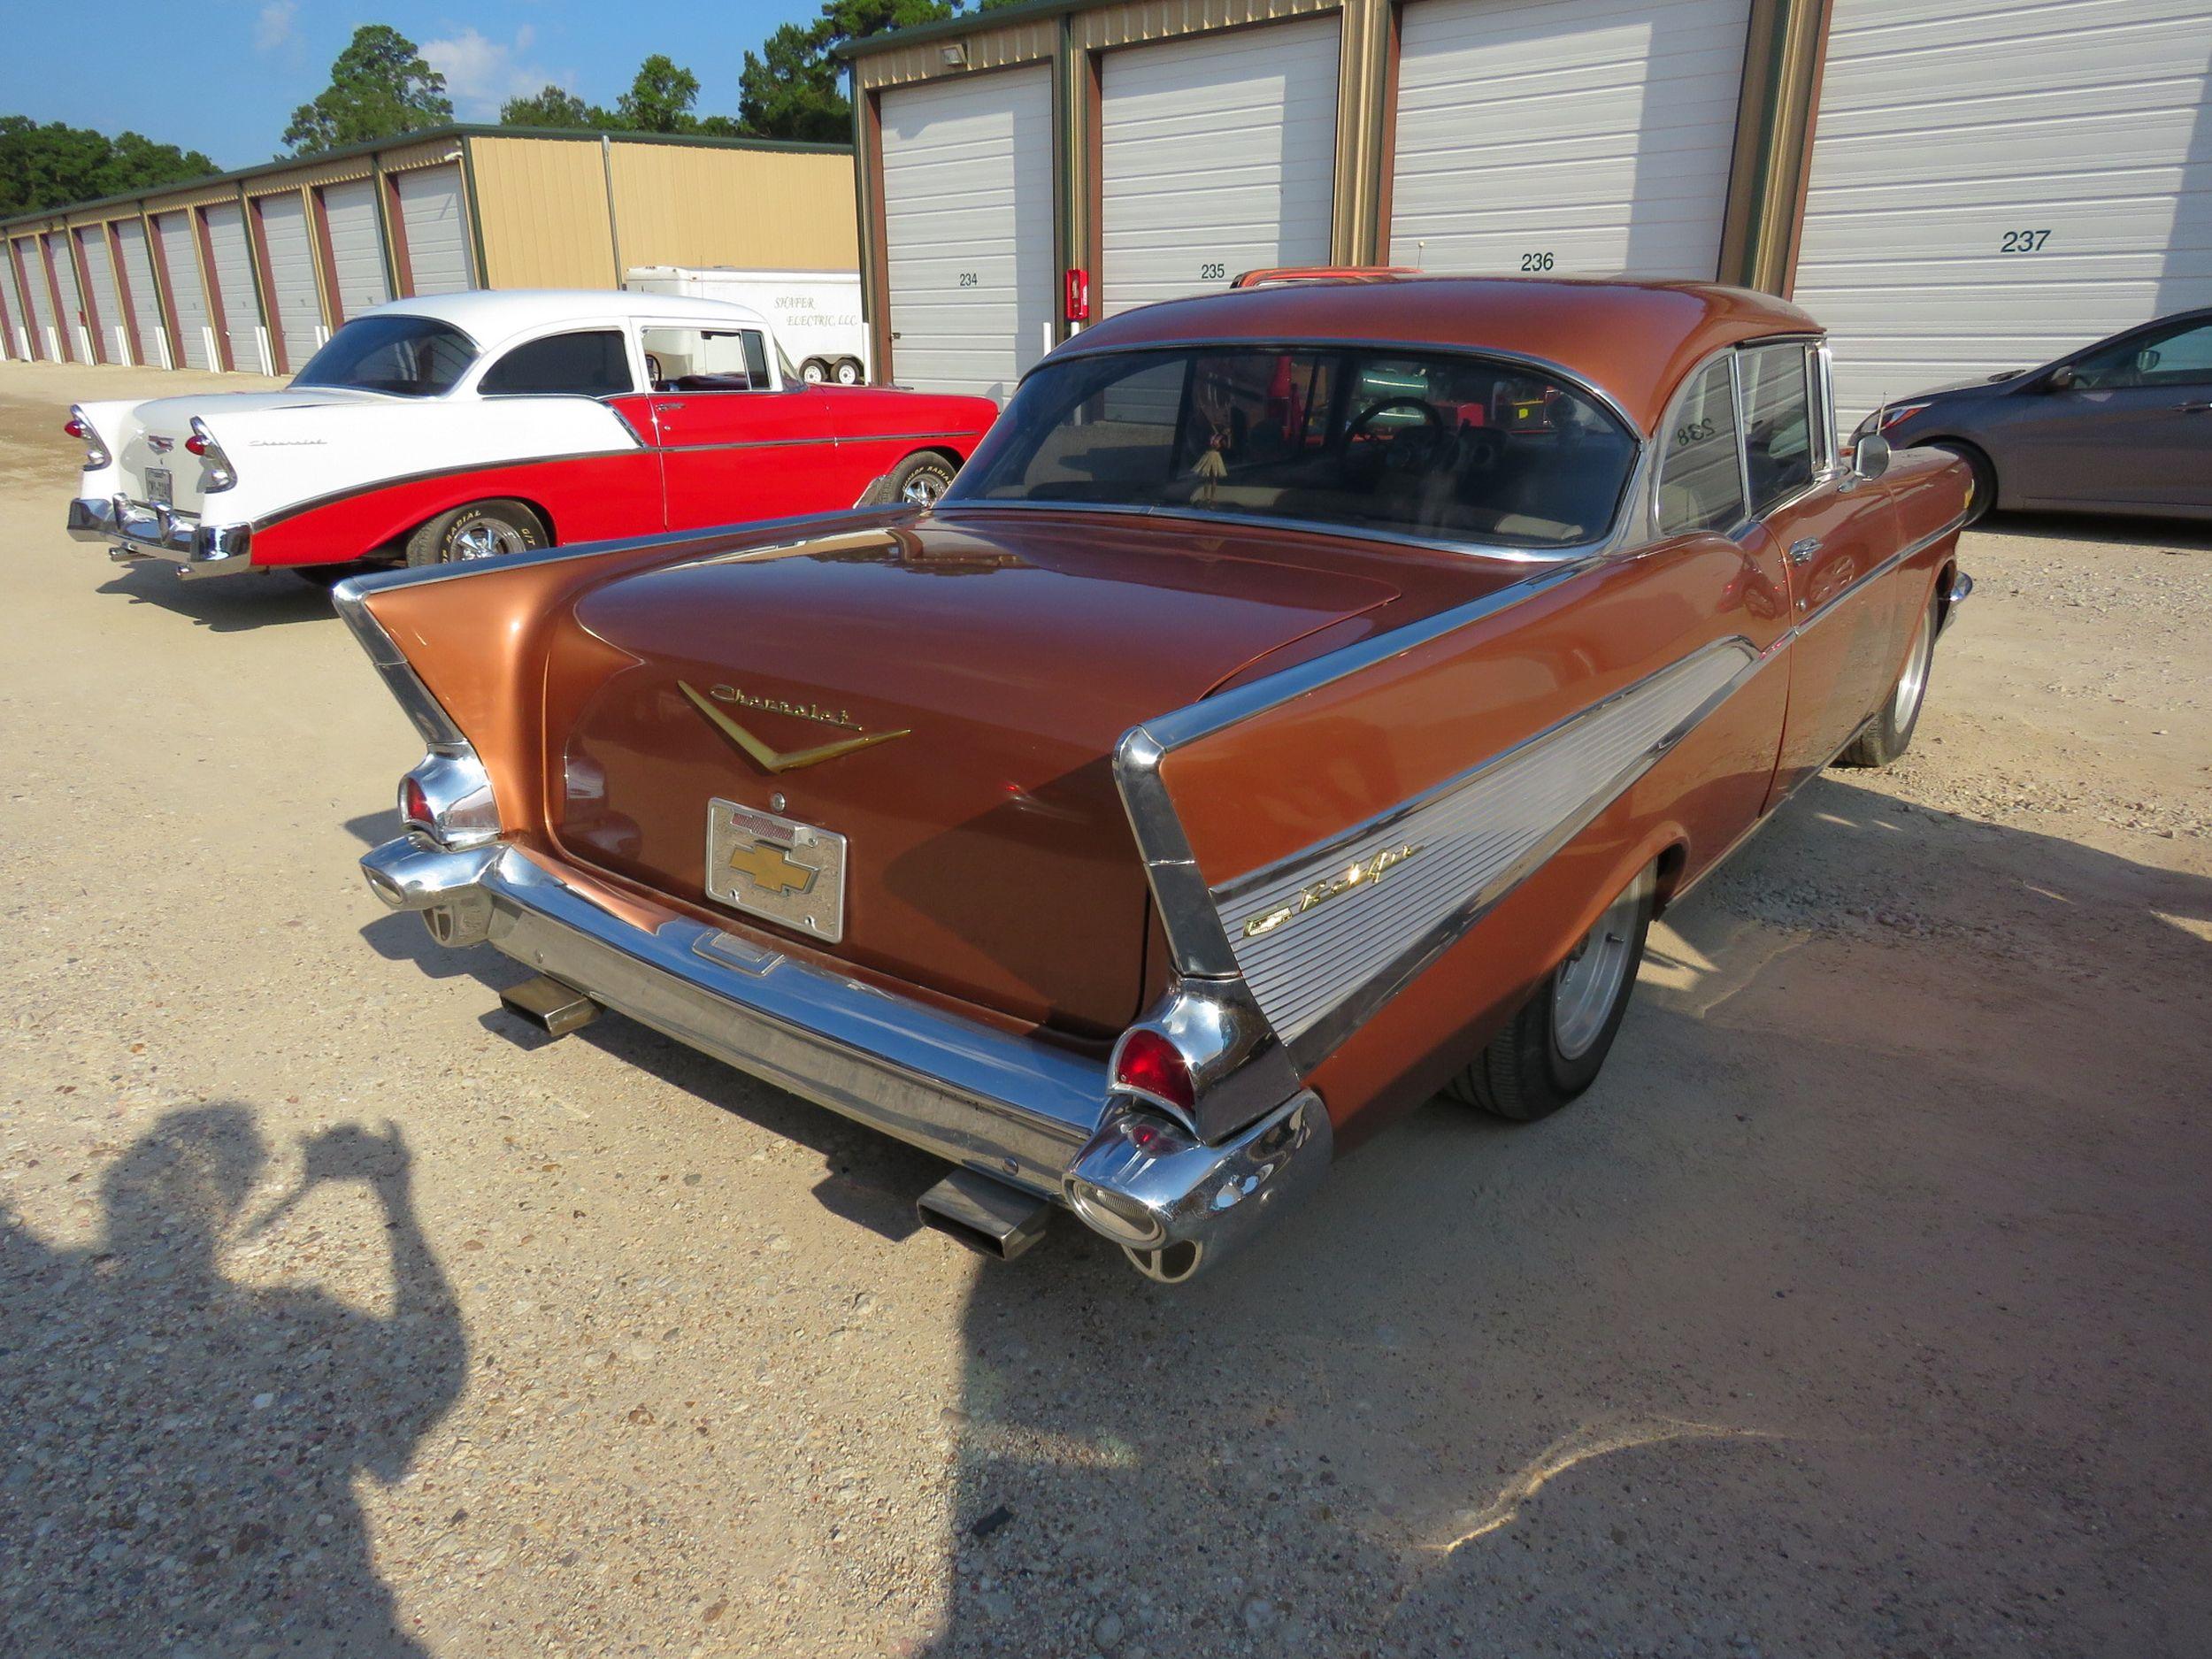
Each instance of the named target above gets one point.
<point>849,373</point>
<point>481,530</point>
<point>919,481</point>
<point>1888,733</point>
<point>1985,471</point>
<point>814,371</point>
<point>1551,1050</point>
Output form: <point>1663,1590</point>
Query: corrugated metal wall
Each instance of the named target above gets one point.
<point>543,201</point>
<point>707,206</point>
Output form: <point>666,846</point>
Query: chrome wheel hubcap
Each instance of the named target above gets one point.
<point>1914,681</point>
<point>924,488</point>
<point>1589,981</point>
<point>488,539</point>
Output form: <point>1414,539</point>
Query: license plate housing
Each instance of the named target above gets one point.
<point>160,487</point>
<point>776,868</point>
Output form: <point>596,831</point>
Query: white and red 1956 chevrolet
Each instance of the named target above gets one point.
<point>471,425</point>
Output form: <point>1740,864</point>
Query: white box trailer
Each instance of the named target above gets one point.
<point>817,313</point>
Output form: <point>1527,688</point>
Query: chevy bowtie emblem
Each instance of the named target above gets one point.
<point>770,869</point>
<point>775,760</point>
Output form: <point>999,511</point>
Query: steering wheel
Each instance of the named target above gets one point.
<point>1402,454</point>
<point>653,375</point>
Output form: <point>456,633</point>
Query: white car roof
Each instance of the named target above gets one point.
<point>489,316</point>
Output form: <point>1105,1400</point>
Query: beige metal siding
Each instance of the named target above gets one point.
<point>1029,42</point>
<point>544,203</point>
<point>680,204</point>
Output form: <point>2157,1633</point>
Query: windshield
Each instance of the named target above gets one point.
<point>409,357</point>
<point>1422,444</point>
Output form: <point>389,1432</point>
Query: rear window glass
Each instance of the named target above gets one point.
<point>1432,445</point>
<point>407,357</point>
<point>591,364</point>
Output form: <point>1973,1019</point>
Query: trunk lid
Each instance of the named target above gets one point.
<point>150,438</point>
<point>981,669</point>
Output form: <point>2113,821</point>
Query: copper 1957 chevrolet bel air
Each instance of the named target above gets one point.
<point>1298,706</point>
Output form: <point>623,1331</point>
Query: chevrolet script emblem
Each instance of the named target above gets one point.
<point>770,869</point>
<point>781,760</point>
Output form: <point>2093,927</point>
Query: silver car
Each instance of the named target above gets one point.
<point>2123,427</point>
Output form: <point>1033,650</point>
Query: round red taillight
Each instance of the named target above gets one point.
<point>76,428</point>
<point>197,444</point>
<point>414,805</point>
<point>1148,1063</point>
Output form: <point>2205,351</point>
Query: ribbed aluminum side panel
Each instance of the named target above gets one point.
<point>1473,834</point>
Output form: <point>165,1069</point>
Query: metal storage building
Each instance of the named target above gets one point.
<point>253,270</point>
<point>1954,187</point>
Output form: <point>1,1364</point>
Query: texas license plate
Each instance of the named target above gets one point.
<point>777,868</point>
<point>160,492</point>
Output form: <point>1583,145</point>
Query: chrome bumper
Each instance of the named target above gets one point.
<point>1022,1110</point>
<point>141,532</point>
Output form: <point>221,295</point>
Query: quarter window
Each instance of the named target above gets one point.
<point>1778,423</point>
<point>590,364</point>
<point>707,360</point>
<point>1701,484</point>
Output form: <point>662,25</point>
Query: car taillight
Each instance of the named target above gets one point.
<point>1146,1062</point>
<point>96,453</point>
<point>219,475</point>
<point>414,804</point>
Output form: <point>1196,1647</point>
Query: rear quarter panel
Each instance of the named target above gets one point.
<point>1268,794</point>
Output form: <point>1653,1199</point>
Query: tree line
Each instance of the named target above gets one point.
<point>381,87</point>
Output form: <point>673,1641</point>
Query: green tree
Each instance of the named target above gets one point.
<point>551,107</point>
<point>55,164</point>
<point>793,88</point>
<point>660,98</point>
<point>380,88</point>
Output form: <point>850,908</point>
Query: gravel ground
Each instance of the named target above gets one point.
<point>1859,1310</point>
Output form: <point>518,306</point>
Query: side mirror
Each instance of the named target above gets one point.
<point>2060,379</point>
<point>1870,457</point>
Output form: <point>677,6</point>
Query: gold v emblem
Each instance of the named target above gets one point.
<point>774,760</point>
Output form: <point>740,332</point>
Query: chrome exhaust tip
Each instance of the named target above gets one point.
<point>554,1007</point>
<point>988,1216</point>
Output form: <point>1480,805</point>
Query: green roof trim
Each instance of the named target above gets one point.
<point>1022,12</point>
<point>49,217</point>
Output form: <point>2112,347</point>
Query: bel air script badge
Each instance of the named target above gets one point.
<point>1364,872</point>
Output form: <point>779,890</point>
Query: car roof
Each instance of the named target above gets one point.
<point>1631,340</point>
<point>489,316</point>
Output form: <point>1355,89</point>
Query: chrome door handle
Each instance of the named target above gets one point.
<point>2194,409</point>
<point>1801,552</point>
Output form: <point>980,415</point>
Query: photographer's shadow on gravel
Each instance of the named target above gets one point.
<point>180,1448</point>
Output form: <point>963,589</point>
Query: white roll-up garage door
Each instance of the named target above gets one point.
<point>1584,136</point>
<point>14,338</point>
<point>144,298</point>
<point>76,338</point>
<point>357,247</point>
<point>188,295</point>
<point>967,213</point>
<point>30,263</point>
<point>105,304</point>
<point>1994,183</point>
<point>1217,154</point>
<point>437,230</point>
<point>233,260</point>
<point>297,307</point>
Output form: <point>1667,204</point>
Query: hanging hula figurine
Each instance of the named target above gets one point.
<point>1210,468</point>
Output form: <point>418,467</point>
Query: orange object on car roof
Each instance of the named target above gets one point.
<point>1323,273</point>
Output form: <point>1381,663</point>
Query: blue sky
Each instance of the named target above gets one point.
<point>224,75</point>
